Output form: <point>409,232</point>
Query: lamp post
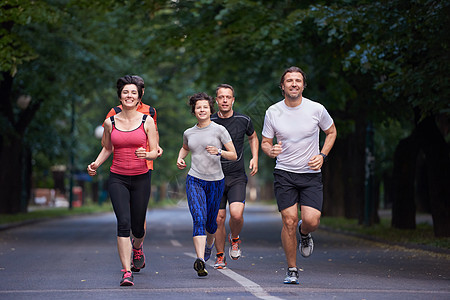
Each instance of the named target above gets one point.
<point>23,102</point>
<point>72,138</point>
<point>369,202</point>
<point>96,186</point>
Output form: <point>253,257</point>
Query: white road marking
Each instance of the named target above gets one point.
<point>249,285</point>
<point>175,243</point>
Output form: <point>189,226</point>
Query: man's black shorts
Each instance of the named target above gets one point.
<point>235,190</point>
<point>303,188</point>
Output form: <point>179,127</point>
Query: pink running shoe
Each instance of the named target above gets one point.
<point>127,278</point>
<point>138,259</point>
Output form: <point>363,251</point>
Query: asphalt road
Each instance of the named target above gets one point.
<point>76,258</point>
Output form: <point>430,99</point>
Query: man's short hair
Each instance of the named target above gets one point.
<point>224,86</point>
<point>292,69</point>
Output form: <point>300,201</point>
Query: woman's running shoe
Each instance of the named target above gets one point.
<point>138,259</point>
<point>199,266</point>
<point>127,278</point>
<point>208,251</point>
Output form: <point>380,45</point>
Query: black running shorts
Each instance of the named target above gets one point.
<point>235,190</point>
<point>303,188</point>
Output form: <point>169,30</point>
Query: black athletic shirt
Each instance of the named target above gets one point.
<point>238,125</point>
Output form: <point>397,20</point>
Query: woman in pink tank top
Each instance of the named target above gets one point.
<point>127,136</point>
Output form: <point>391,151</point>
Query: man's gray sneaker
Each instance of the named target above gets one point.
<point>306,243</point>
<point>291,276</point>
<point>234,251</point>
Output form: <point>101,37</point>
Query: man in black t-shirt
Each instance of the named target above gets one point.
<point>239,126</point>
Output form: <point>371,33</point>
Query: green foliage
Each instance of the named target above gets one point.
<point>402,45</point>
<point>15,51</point>
<point>380,60</point>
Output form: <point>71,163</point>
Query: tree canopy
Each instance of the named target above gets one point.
<point>380,64</point>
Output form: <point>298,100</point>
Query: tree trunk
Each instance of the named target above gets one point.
<point>422,190</point>
<point>343,177</point>
<point>333,177</point>
<point>11,176</point>
<point>425,139</point>
<point>437,162</point>
<point>15,160</point>
<point>403,205</point>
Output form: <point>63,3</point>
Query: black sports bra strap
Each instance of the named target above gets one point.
<point>144,117</point>
<point>112,120</point>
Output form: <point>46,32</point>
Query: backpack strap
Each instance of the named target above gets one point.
<point>151,112</point>
<point>117,109</point>
<point>144,117</point>
<point>112,121</point>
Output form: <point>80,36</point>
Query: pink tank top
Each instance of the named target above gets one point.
<point>125,144</point>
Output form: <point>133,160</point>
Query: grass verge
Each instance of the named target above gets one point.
<point>422,235</point>
<point>39,213</point>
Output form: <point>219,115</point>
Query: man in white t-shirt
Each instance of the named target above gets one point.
<point>296,123</point>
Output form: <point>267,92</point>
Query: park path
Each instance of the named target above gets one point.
<point>76,258</point>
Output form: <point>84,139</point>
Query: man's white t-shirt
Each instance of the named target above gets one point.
<point>297,128</point>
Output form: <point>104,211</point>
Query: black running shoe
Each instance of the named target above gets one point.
<point>199,266</point>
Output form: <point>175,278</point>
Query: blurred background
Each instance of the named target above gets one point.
<point>381,68</point>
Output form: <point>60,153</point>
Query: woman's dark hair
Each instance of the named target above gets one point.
<point>128,79</point>
<point>139,81</point>
<point>201,96</point>
<point>292,70</point>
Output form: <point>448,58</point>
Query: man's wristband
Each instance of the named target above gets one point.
<point>219,152</point>
<point>324,156</point>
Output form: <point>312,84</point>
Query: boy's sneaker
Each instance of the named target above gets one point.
<point>208,251</point>
<point>138,259</point>
<point>221,262</point>
<point>306,244</point>
<point>199,266</point>
<point>291,276</point>
<point>127,278</point>
<point>234,250</point>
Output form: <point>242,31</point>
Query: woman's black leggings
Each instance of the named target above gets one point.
<point>129,197</point>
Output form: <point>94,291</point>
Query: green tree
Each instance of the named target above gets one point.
<point>65,58</point>
<point>399,51</point>
<point>363,55</point>
<point>15,116</point>
<point>373,64</point>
